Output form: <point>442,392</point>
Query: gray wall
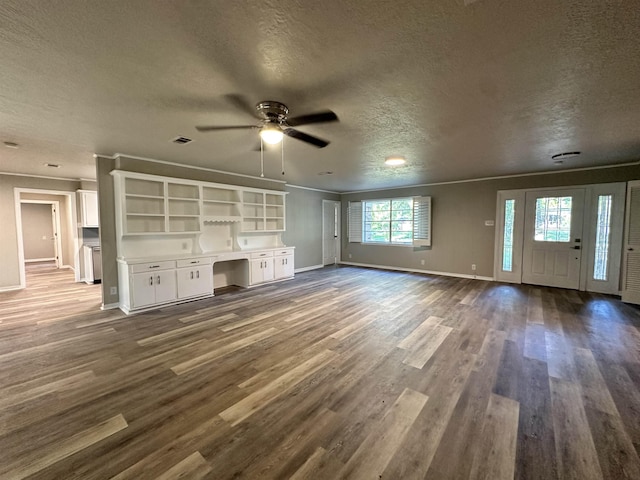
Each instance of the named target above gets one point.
<point>304,224</point>
<point>459,237</point>
<point>37,231</point>
<point>10,271</point>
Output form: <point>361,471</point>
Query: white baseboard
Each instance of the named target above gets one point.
<point>11,288</point>
<point>415,270</point>
<point>109,306</point>
<point>68,267</point>
<point>36,260</point>
<point>306,269</point>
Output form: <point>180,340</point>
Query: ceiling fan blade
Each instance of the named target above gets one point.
<point>298,135</point>
<point>241,103</point>
<point>232,127</point>
<point>319,117</point>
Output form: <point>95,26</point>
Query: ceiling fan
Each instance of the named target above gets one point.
<point>275,122</point>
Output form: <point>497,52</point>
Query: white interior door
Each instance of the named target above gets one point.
<point>330,232</point>
<point>552,249</point>
<point>631,269</point>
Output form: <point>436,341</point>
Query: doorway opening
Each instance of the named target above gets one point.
<point>40,232</point>
<point>567,237</point>
<point>47,232</point>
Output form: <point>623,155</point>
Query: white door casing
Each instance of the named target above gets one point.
<point>601,241</point>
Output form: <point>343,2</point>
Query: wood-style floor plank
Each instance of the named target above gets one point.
<point>342,372</point>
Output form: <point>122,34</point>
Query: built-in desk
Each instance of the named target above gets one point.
<point>147,283</point>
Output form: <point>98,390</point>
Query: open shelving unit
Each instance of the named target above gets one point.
<point>220,205</point>
<point>153,205</point>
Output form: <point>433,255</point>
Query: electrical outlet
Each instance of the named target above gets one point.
<point>473,267</point>
<point>185,245</point>
<point>245,242</point>
<point>349,255</point>
<point>422,262</point>
<point>113,291</point>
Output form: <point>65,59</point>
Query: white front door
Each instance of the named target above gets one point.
<point>330,232</point>
<point>552,249</point>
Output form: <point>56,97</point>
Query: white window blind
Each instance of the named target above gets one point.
<point>422,221</point>
<point>355,222</point>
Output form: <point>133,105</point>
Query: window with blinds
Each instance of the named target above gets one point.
<point>394,221</point>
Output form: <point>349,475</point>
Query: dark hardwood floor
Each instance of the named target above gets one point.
<point>340,373</point>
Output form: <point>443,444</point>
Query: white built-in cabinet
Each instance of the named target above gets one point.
<point>151,284</point>
<point>89,208</point>
<point>195,277</point>
<point>283,263</point>
<point>172,232</point>
<point>261,267</point>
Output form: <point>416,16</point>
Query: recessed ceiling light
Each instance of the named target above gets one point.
<point>395,160</point>
<point>52,165</point>
<point>565,155</point>
<point>11,145</point>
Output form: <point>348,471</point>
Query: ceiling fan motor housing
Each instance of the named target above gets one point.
<point>272,111</point>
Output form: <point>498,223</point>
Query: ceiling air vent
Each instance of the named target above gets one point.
<point>181,140</point>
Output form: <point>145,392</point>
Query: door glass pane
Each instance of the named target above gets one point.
<point>553,219</point>
<point>603,233</point>
<point>507,241</point>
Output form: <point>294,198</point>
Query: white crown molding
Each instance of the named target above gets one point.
<point>62,179</point>
<point>500,177</point>
<point>193,167</point>
<point>313,189</point>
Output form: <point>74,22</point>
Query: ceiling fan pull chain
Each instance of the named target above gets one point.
<point>261,158</point>
<point>282,154</point>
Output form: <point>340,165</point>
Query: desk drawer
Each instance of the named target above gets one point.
<point>284,251</point>
<point>261,254</point>
<point>152,266</point>
<point>190,262</point>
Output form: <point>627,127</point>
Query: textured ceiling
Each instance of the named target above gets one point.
<point>463,89</point>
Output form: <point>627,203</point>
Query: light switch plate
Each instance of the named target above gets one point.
<point>489,223</point>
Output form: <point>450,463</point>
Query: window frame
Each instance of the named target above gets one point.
<point>389,222</point>
<point>420,221</point>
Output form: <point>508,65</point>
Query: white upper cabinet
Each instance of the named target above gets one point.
<point>89,208</point>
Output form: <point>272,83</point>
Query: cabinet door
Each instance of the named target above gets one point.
<point>268,270</point>
<point>257,271</point>
<point>284,266</point>
<point>165,283</point>
<point>143,289</point>
<point>193,281</point>
<point>89,209</point>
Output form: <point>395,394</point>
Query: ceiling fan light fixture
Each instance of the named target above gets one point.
<point>395,161</point>
<point>271,134</point>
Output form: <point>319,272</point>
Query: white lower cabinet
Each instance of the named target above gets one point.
<point>147,285</point>
<point>154,287</point>
<point>195,281</point>
<point>261,267</point>
<point>283,264</point>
